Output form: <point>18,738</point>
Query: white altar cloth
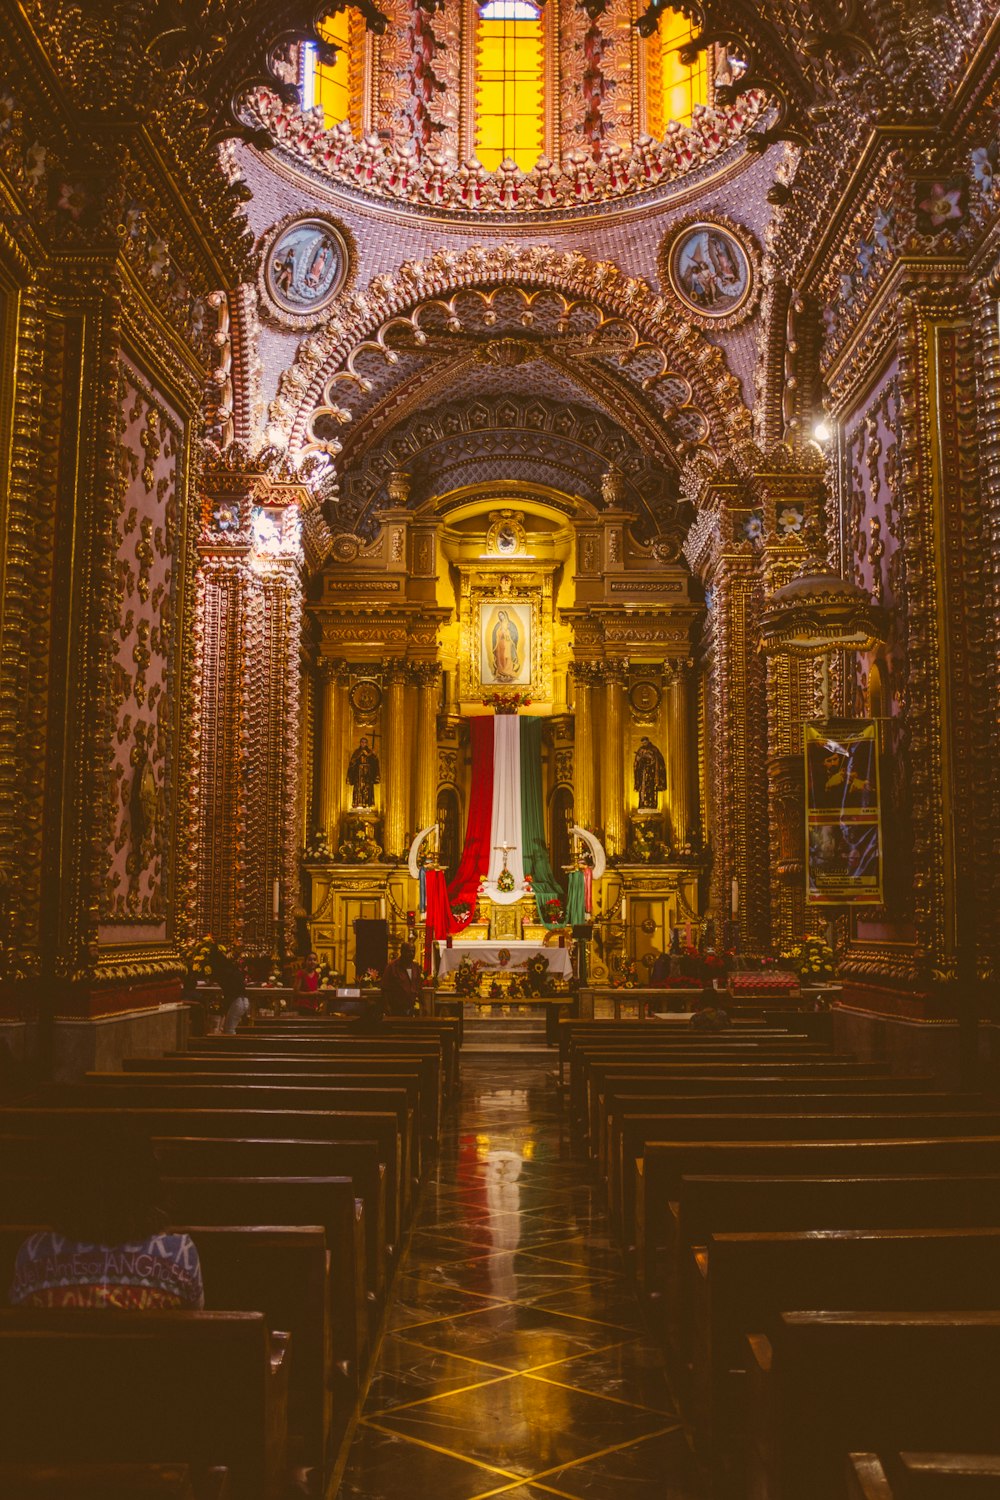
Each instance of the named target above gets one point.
<point>516,954</point>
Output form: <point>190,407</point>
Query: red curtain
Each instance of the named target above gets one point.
<point>475,861</point>
<point>437,917</point>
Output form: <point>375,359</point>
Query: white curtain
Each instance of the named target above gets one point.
<point>506,828</point>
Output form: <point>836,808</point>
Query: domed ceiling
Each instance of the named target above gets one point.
<point>494,109</point>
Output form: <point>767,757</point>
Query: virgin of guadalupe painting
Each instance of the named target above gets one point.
<point>505,644</point>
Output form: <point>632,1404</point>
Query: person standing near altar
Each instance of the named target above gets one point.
<point>402,983</point>
<point>306,987</point>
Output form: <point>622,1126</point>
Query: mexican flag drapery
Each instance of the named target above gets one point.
<point>505,809</point>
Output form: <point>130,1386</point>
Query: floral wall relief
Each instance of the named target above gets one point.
<point>874,557</point>
<point>136,874</point>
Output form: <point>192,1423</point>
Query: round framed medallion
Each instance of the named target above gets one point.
<point>365,696</point>
<point>644,696</point>
<point>713,269</point>
<point>304,264</point>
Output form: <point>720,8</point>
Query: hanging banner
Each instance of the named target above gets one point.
<point>843,829</point>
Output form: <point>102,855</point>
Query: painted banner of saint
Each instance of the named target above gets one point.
<point>505,650</point>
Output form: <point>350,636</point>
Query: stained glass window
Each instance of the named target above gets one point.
<point>329,84</point>
<point>673,90</point>
<point>510,83</point>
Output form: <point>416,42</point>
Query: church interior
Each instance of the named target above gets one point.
<point>499,702</point>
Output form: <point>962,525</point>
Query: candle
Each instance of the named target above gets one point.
<point>381,908</point>
<point>276,898</point>
<point>624,907</point>
<point>735,908</point>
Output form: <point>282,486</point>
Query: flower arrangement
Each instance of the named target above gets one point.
<point>505,880</point>
<point>552,911</point>
<point>331,978</point>
<point>812,959</point>
<point>206,957</point>
<point>537,981</point>
<point>467,976</point>
<point>506,703</point>
<point>628,978</point>
<point>371,976</point>
<point>460,910</point>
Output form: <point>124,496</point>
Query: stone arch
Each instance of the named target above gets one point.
<point>649,324</point>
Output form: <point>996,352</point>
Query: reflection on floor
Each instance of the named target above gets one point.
<point>514,1363</point>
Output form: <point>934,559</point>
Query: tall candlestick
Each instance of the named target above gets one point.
<point>276,898</point>
<point>624,907</point>
<point>381,908</point>
<point>735,908</point>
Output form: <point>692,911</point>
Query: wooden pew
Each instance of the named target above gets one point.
<point>714,1065</point>
<point>659,1172</point>
<point>810,1099</point>
<point>187,1156</point>
<point>634,1136</point>
<point>281,1273</point>
<point>205,1389</point>
<point>222,1124</point>
<point>278,1201</point>
<point>119,1089</point>
<point>740,1283</point>
<point>427,1069</point>
<point>923,1476</point>
<point>334,1036</point>
<point>826,1384</point>
<point>111,1482</point>
<point>709,1206</point>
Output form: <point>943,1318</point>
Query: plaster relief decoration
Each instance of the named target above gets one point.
<point>304,264</point>
<point>142,694</point>
<point>713,269</point>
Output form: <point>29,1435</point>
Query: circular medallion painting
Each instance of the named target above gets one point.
<point>712,270</point>
<point>305,267</point>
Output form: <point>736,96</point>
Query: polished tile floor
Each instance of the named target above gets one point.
<point>514,1362</point>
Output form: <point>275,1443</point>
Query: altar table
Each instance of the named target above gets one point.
<point>515,956</point>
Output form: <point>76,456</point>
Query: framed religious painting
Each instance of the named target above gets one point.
<point>505,643</point>
<point>305,262</point>
<point>712,267</point>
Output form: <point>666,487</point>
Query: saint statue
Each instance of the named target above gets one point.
<point>649,773</point>
<point>362,775</point>
<point>504,648</point>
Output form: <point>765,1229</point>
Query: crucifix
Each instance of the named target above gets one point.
<point>506,850</point>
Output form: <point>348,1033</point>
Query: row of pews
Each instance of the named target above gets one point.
<point>292,1155</point>
<point>818,1244</point>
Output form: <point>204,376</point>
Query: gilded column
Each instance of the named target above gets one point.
<point>395,765</point>
<point>428,693</point>
<point>333,727</point>
<point>680,767</point>
<point>584,790</point>
<point>614,759</point>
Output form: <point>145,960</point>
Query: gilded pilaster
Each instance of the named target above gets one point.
<point>428,679</point>
<point>334,729</point>
<point>613,780</point>
<point>584,781</point>
<point>395,762</point>
<point>680,762</point>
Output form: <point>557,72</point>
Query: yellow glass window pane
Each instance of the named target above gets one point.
<point>678,89</point>
<point>509,90</point>
<point>332,81</point>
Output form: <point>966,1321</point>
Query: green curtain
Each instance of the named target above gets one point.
<point>534,848</point>
<point>575,909</point>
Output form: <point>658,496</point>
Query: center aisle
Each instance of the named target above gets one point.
<point>514,1363</point>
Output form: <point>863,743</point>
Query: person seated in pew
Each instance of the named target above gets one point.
<point>107,1246</point>
<point>709,1017</point>
<point>401,983</point>
<point>306,987</point>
